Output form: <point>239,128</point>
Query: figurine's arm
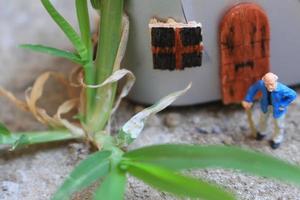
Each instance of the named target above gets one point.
<point>288,96</point>
<point>252,92</point>
<point>248,101</point>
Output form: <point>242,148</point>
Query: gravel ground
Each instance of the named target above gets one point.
<point>35,172</point>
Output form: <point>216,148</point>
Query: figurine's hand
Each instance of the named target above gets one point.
<point>281,108</point>
<point>247,105</point>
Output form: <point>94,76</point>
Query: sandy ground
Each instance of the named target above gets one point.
<point>35,172</point>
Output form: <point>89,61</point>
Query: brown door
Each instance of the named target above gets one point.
<point>244,50</point>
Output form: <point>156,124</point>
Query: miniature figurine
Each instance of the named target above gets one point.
<point>276,97</point>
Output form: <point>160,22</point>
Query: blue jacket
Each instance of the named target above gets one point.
<point>281,97</point>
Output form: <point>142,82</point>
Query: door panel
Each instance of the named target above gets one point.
<point>244,48</point>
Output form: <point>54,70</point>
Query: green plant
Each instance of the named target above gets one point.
<point>158,165</point>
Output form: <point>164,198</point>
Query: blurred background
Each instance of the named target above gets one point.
<point>27,22</point>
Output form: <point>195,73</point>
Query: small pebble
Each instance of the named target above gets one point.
<point>22,176</point>
<point>243,128</point>
<point>77,152</point>
<point>294,123</point>
<point>216,129</point>
<point>153,120</point>
<point>76,148</point>
<point>201,130</point>
<point>196,120</point>
<point>172,120</point>
<point>224,129</point>
<point>227,141</point>
<point>138,108</point>
<point>10,187</point>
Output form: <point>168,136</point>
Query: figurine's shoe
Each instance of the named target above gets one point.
<point>276,141</point>
<point>260,136</point>
<point>274,145</point>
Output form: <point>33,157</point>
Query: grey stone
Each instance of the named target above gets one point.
<point>77,151</point>
<point>172,120</point>
<point>244,128</point>
<point>10,188</point>
<point>202,130</point>
<point>216,129</point>
<point>227,141</point>
<point>153,120</point>
<point>138,108</point>
<point>196,120</point>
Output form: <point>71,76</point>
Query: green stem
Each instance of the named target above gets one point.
<point>109,39</point>
<point>89,79</point>
<point>89,71</point>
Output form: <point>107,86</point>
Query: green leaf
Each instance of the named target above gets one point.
<point>96,4</point>
<point>188,156</point>
<point>5,135</point>
<point>15,140</point>
<point>167,180</point>
<point>87,172</point>
<point>53,51</point>
<point>113,187</point>
<point>84,24</point>
<point>136,124</point>
<point>67,29</point>
<point>3,130</point>
<point>23,140</point>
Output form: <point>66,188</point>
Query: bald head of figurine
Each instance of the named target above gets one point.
<point>270,81</point>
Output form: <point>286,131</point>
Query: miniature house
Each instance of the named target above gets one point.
<point>240,41</point>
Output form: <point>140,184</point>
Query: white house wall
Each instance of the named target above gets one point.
<point>284,17</point>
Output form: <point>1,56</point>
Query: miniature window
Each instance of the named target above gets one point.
<point>176,46</point>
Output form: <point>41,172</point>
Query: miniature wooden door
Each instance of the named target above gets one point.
<point>244,50</point>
